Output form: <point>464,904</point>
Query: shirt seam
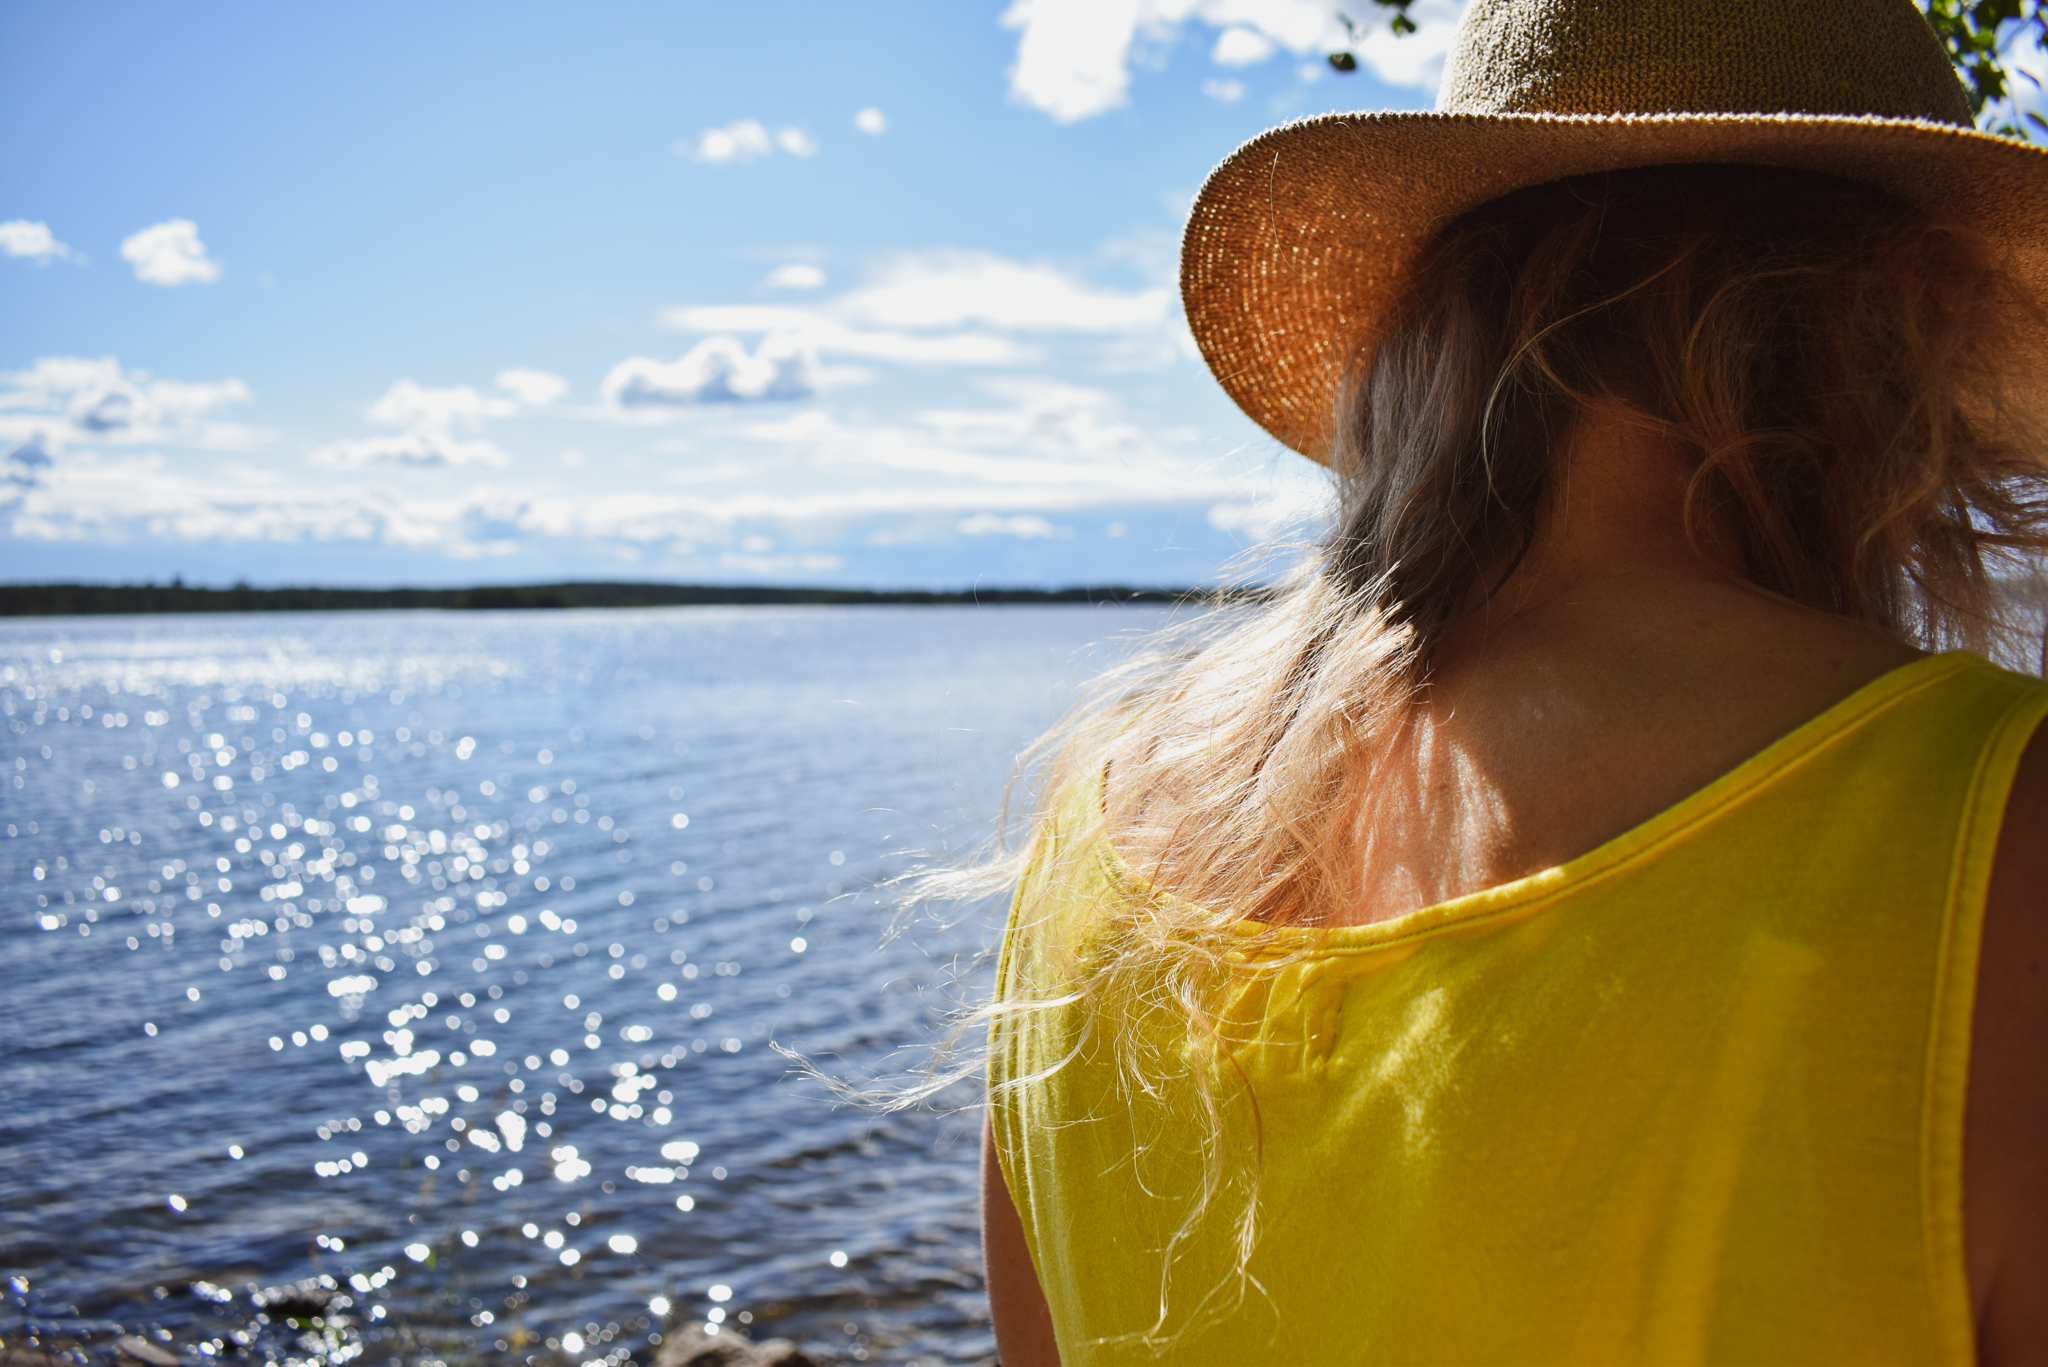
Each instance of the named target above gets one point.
<point>1626,850</point>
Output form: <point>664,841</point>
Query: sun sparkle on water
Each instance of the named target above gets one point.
<point>441,959</point>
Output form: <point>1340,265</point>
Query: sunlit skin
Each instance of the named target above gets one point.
<point>1621,668</point>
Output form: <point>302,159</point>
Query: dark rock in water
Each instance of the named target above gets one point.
<point>142,1350</point>
<point>306,1299</point>
<point>690,1346</point>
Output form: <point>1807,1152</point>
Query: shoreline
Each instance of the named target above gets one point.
<point>85,600</point>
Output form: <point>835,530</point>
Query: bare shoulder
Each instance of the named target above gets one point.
<point>2005,1158</point>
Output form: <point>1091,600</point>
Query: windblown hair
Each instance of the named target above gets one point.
<point>1855,383</point>
<point>1847,377</point>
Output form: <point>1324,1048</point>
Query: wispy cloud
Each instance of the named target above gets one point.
<point>532,388</point>
<point>938,308</point>
<point>423,448</point>
<point>170,253</point>
<point>440,426</point>
<point>1011,467</point>
<point>786,562</point>
<point>871,121</point>
<point>1044,445</point>
<point>23,237</point>
<point>65,400</point>
<point>1284,511</point>
<point>90,496</point>
<point>820,332</point>
<point>1074,57</point>
<point>950,289</point>
<point>1024,526</point>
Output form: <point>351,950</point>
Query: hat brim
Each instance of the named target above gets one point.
<point>1304,237</point>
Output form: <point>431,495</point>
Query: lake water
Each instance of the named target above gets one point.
<point>445,957</point>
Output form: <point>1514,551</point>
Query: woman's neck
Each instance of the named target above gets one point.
<point>1615,513</point>
<point>1625,663</point>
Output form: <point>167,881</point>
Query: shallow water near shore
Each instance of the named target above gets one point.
<point>438,963</point>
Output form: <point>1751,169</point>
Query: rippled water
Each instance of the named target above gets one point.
<point>441,957</point>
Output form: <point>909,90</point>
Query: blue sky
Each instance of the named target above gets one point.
<point>792,292</point>
<point>409,246</point>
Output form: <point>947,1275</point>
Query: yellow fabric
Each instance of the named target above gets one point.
<point>1694,1097</point>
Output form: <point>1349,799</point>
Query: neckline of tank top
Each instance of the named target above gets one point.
<point>1523,895</point>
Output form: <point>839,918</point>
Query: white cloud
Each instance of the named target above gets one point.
<point>26,463</point>
<point>1014,466</point>
<point>22,237</point>
<point>87,497</point>
<point>956,288</point>
<point>1074,56</point>
<point>823,334</point>
<point>422,448</point>
<point>871,120</point>
<point>797,275</point>
<point>533,388</point>
<point>1240,46</point>
<point>741,141</point>
<point>1283,510</point>
<point>75,399</point>
<point>1224,92</point>
<point>1024,526</point>
<point>1047,444</point>
<point>935,308</point>
<point>411,404</point>
<point>170,253</point>
<point>717,370</point>
<point>812,562</point>
<point>433,418</point>
<point>746,140</point>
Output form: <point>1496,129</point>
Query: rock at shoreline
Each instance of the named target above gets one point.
<point>690,1346</point>
<point>305,1299</point>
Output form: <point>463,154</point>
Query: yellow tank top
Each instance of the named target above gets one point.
<point>1694,1097</point>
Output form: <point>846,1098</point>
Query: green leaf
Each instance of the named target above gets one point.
<point>1978,36</point>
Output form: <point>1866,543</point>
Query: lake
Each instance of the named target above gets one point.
<point>432,973</point>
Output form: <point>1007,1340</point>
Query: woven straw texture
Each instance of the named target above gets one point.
<point>1301,240</point>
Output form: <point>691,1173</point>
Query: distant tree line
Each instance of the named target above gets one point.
<point>67,600</point>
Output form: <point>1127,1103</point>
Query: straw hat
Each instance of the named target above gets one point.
<point>1304,236</point>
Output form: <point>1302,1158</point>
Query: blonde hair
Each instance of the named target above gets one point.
<point>1840,369</point>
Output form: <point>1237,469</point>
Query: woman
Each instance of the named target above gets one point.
<point>1577,920</point>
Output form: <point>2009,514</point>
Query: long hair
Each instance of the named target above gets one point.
<point>1849,380</point>
<point>1855,384</point>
